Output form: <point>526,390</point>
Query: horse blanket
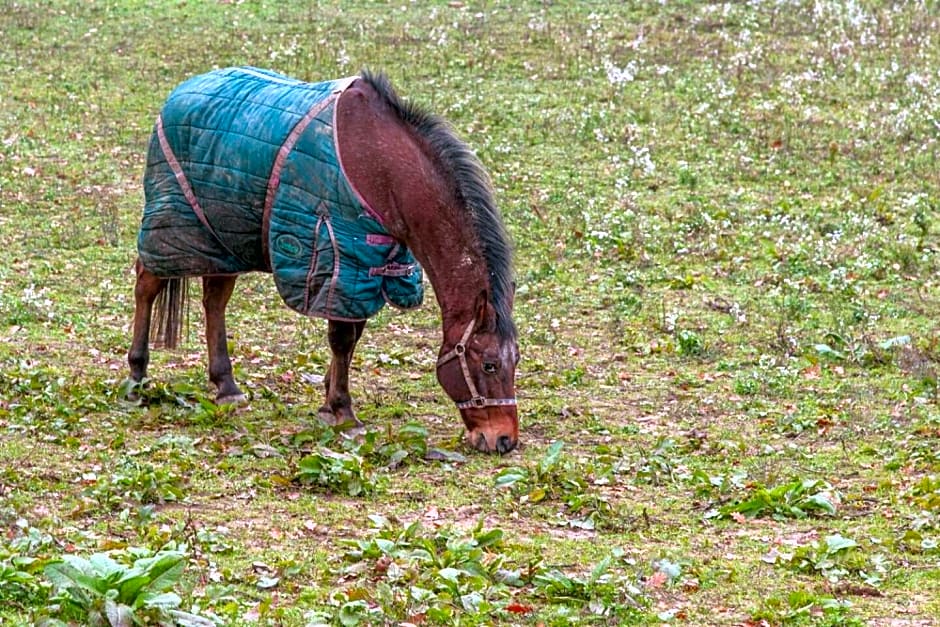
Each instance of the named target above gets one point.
<point>244,173</point>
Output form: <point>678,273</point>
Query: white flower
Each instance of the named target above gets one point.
<point>619,76</point>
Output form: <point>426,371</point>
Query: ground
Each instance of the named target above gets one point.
<point>724,218</point>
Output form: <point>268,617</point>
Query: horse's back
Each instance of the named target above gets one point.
<point>218,134</point>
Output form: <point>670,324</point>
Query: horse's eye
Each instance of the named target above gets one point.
<point>489,367</point>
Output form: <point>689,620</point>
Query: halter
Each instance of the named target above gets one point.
<point>476,399</point>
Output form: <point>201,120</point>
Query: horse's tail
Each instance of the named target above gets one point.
<point>169,313</point>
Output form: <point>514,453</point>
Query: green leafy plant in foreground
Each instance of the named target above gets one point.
<point>448,575</point>
<point>797,499</point>
<point>834,557</point>
<point>336,471</point>
<point>352,466</point>
<point>17,581</point>
<point>119,588</point>
<point>556,477</point>
<point>440,574</point>
<point>802,607</point>
<point>600,591</point>
<point>21,559</point>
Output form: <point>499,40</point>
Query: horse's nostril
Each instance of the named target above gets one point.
<point>481,442</point>
<point>504,444</point>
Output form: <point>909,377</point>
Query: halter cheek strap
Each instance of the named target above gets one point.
<point>476,399</point>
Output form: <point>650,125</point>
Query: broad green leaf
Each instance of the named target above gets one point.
<point>386,546</point>
<point>602,567</point>
<point>551,457</point>
<point>163,600</point>
<point>80,564</point>
<point>165,571</point>
<point>396,458</point>
<point>421,595</point>
<point>129,588</point>
<point>64,576</point>
<point>821,501</point>
<point>827,351</point>
<point>450,574</point>
<point>511,476</point>
<point>489,538</point>
<point>350,614</point>
<point>471,602</point>
<point>441,455</point>
<point>837,543</point>
<point>421,555</point>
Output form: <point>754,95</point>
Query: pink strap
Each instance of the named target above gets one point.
<point>186,188</point>
<point>274,181</point>
<point>180,175</point>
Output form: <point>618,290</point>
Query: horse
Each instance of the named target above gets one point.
<point>347,194</point>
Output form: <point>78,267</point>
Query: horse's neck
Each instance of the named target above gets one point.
<point>440,235</point>
<point>456,271</point>
<point>413,200</point>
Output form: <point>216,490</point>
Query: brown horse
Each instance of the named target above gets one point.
<point>409,172</point>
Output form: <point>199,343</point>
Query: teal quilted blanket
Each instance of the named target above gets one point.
<point>243,174</point>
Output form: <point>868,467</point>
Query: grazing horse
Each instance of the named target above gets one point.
<point>346,194</point>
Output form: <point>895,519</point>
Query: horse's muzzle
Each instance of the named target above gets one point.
<point>500,444</point>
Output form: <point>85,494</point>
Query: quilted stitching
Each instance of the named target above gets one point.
<point>327,252</point>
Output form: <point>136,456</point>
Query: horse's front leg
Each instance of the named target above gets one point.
<point>342,337</point>
<point>216,291</point>
<point>146,289</point>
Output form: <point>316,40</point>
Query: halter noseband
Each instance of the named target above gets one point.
<point>476,399</point>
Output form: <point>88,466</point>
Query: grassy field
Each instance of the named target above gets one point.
<point>726,226</point>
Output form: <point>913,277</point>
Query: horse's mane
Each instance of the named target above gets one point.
<point>473,189</point>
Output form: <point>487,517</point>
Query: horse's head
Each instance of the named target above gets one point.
<point>478,372</point>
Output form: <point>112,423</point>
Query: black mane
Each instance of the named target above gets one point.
<point>473,189</point>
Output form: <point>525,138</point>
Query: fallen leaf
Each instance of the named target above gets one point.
<point>811,372</point>
<point>657,580</point>
<point>440,455</point>
<point>518,608</point>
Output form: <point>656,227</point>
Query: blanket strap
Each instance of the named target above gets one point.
<point>274,181</point>
<point>185,187</point>
<point>394,269</point>
<point>391,268</point>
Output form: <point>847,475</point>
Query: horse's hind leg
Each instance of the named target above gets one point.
<point>342,337</point>
<point>216,291</point>
<point>146,289</point>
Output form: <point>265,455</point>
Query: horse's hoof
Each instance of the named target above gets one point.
<point>129,390</point>
<point>231,399</point>
<point>330,418</point>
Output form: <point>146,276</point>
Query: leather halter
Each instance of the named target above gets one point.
<point>476,401</point>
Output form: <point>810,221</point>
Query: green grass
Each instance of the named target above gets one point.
<point>726,225</point>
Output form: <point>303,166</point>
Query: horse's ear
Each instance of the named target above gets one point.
<point>481,308</point>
